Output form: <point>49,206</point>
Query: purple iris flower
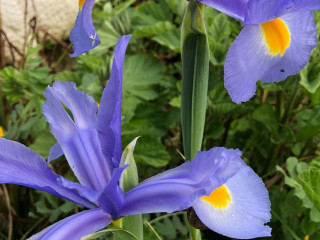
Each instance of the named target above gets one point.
<point>225,193</point>
<point>83,35</point>
<point>275,43</point>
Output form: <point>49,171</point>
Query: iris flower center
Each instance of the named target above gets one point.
<point>219,198</point>
<point>277,36</point>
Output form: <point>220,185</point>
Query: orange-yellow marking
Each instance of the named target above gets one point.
<point>219,198</point>
<point>1,132</point>
<point>277,36</point>
<point>81,2</point>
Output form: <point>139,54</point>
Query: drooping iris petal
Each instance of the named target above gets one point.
<point>269,52</point>
<point>79,138</point>
<point>109,113</point>
<point>76,226</point>
<point>246,62</point>
<point>266,10</point>
<point>83,35</point>
<point>233,8</point>
<point>178,188</point>
<point>303,38</point>
<point>304,5</point>
<point>238,209</point>
<point>20,165</point>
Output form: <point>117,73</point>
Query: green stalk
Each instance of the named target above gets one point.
<point>195,74</point>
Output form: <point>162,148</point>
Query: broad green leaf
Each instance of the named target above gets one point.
<point>166,228</point>
<point>140,74</point>
<point>153,30</point>
<point>284,208</point>
<point>169,39</point>
<point>92,63</point>
<point>151,152</point>
<point>287,180</point>
<point>310,181</point>
<point>54,215</point>
<point>150,13</point>
<point>176,102</point>
<point>310,76</point>
<point>309,227</point>
<point>129,105</point>
<point>220,27</point>
<point>42,208</point>
<point>52,199</point>
<point>223,108</point>
<point>43,144</point>
<point>301,167</point>
<point>170,226</point>
<point>109,13</point>
<point>109,34</point>
<point>315,163</point>
<point>68,76</point>
<point>67,207</point>
<point>315,215</point>
<point>306,202</point>
<point>177,6</point>
<point>308,123</point>
<point>299,193</point>
<point>291,166</point>
<point>266,115</point>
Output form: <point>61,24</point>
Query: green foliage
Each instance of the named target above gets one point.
<point>305,182</point>
<point>48,206</point>
<point>171,226</point>
<point>43,143</point>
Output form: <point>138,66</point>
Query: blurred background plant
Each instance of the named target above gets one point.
<point>278,130</point>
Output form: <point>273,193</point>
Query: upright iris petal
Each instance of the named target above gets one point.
<point>109,114</point>
<point>275,43</point>
<point>83,35</point>
<point>77,138</point>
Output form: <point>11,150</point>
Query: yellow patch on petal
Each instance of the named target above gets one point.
<point>306,237</point>
<point>81,2</point>
<point>277,36</point>
<point>1,132</point>
<point>219,198</point>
